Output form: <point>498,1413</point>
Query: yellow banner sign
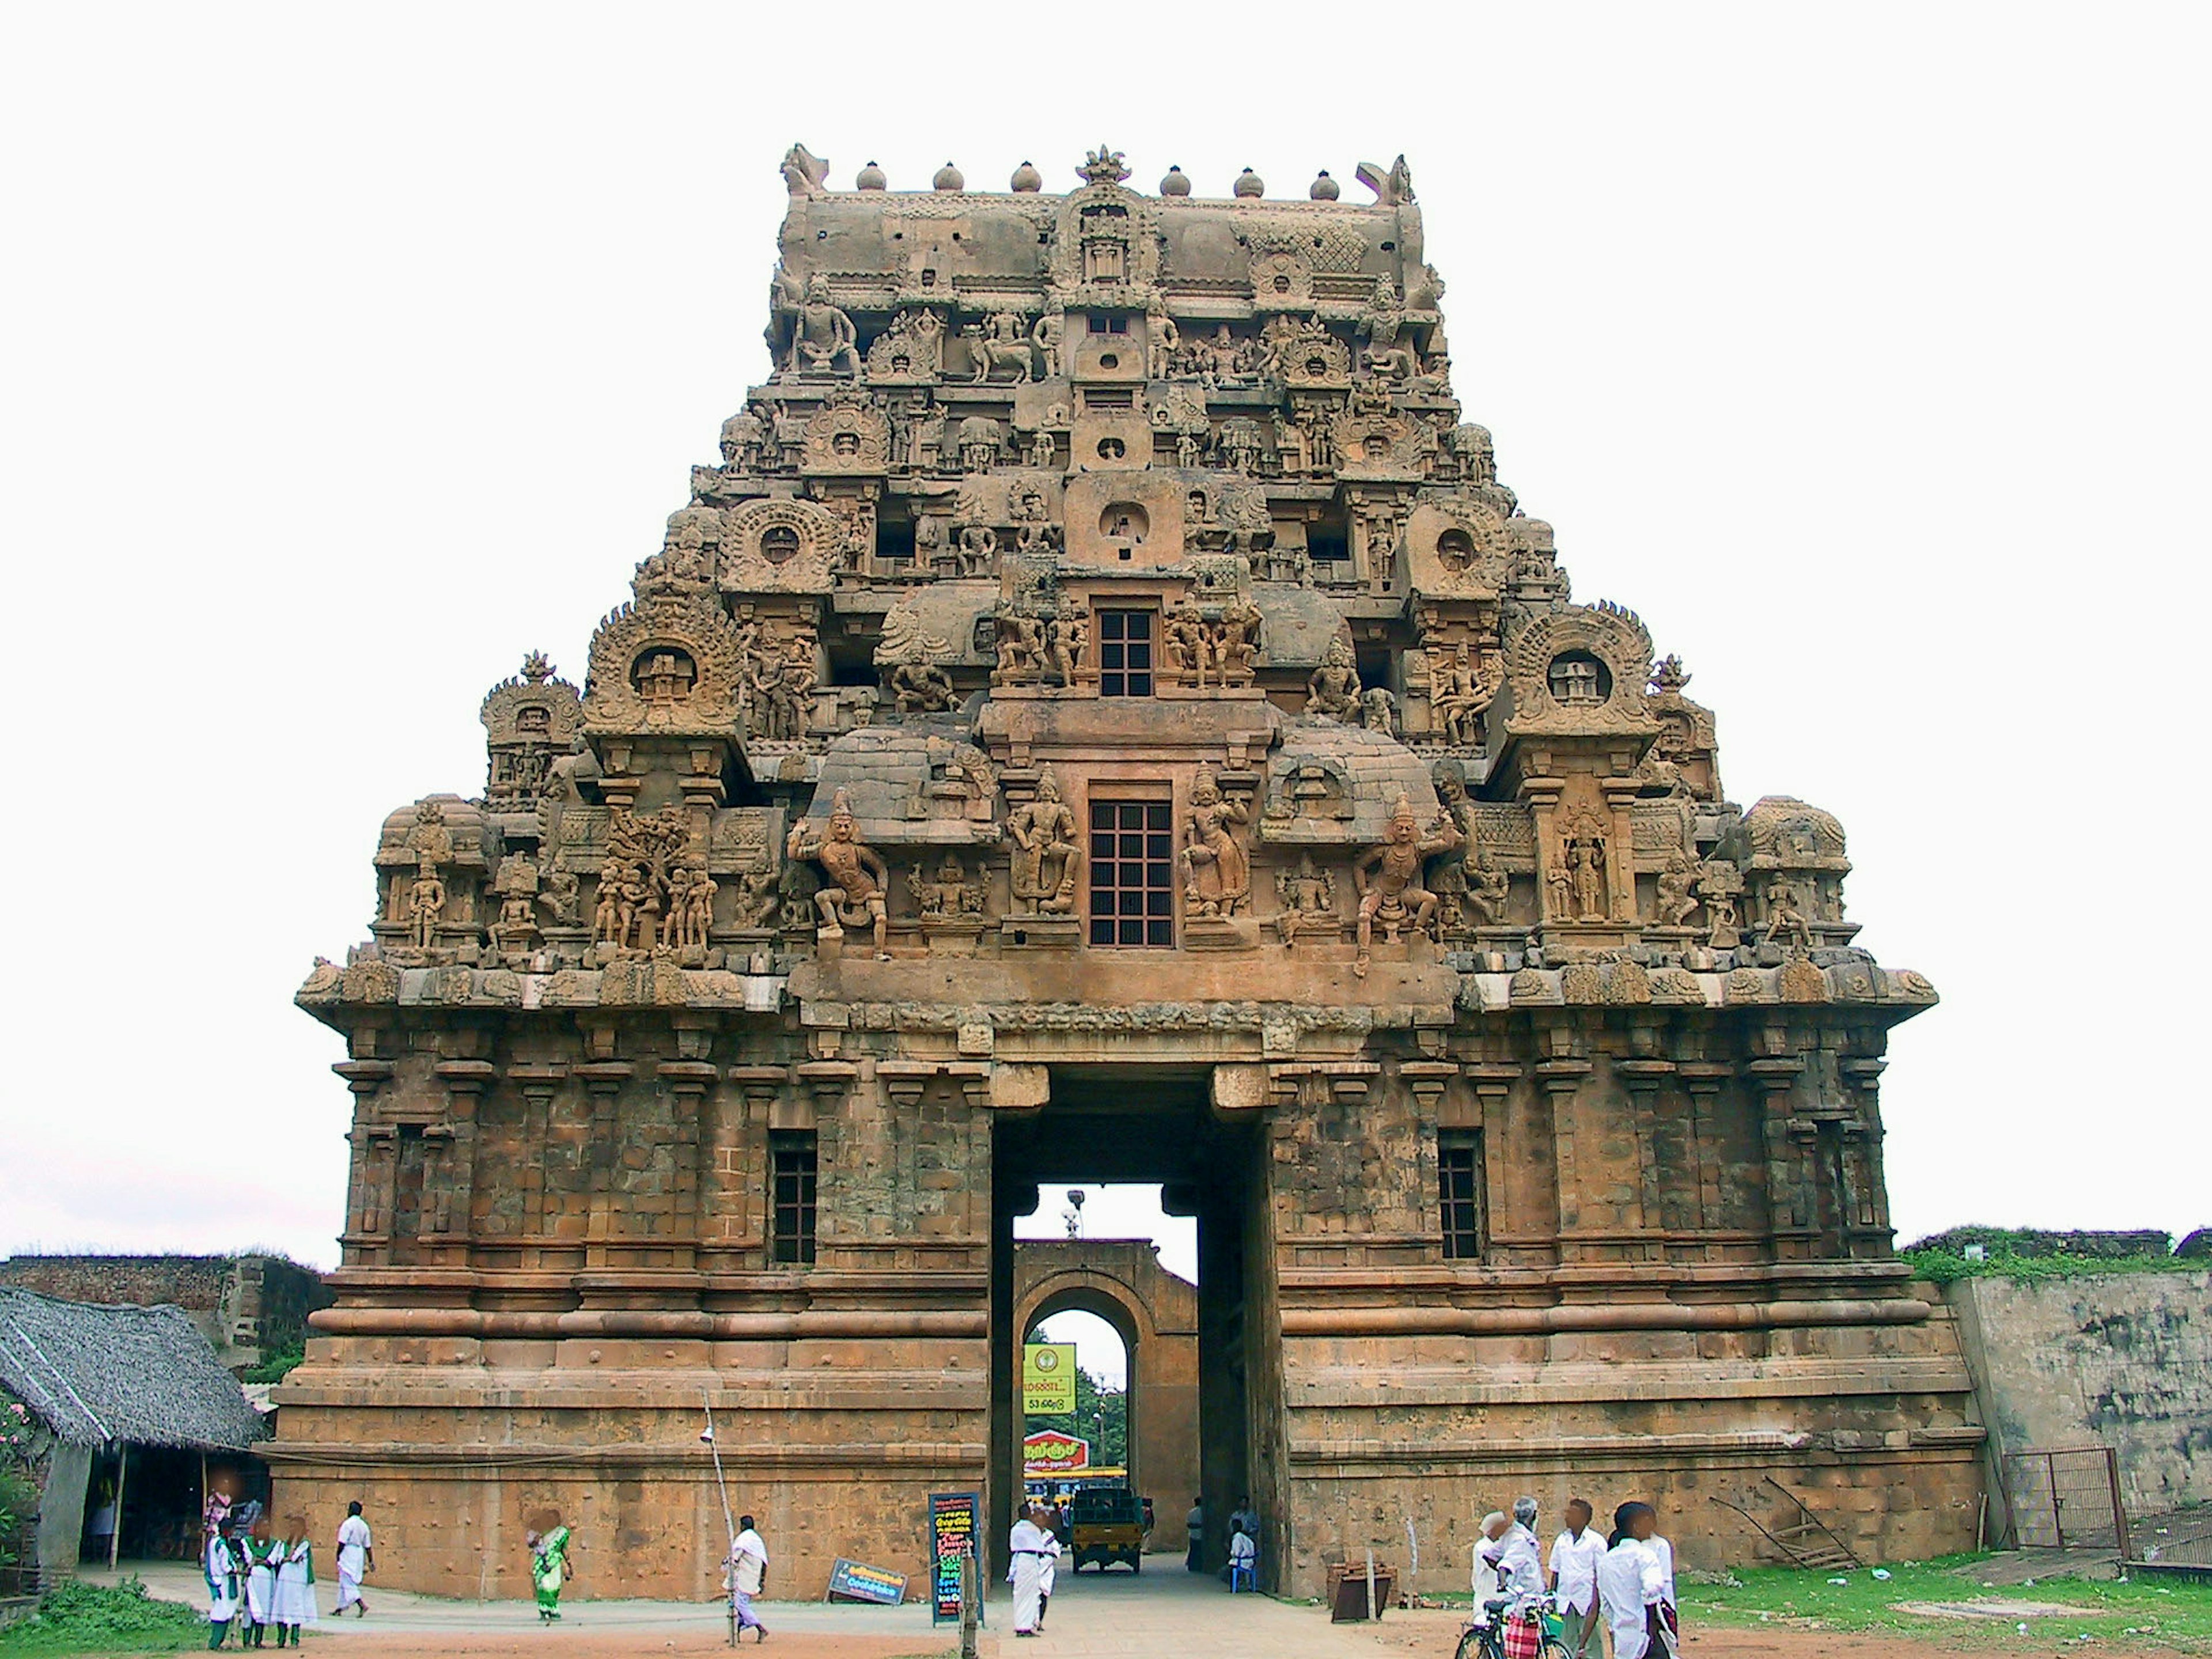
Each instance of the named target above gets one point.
<point>1047,1377</point>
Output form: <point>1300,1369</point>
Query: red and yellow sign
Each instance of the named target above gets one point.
<point>1049,1453</point>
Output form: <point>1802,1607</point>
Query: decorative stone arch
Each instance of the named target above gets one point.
<point>1156,1315</point>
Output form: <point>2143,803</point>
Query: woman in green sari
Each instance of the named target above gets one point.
<point>549,1568</point>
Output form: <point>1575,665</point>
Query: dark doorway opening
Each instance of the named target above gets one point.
<point>1149,1125</point>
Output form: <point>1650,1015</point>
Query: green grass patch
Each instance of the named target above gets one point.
<point>2142,1613</point>
<point>95,1618</point>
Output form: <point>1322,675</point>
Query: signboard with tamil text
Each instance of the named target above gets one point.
<point>850,1581</point>
<point>954,1521</point>
<point>1047,1377</point>
<point>1050,1452</point>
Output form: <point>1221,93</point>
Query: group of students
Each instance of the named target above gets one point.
<point>265,1581</point>
<point>1625,1581</point>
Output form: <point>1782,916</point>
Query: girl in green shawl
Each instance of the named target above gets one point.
<point>549,1567</point>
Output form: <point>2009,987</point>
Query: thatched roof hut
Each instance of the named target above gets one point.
<point>96,1374</point>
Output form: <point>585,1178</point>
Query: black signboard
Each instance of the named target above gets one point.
<point>956,1519</point>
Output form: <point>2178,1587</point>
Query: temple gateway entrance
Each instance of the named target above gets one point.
<point>1204,1402</point>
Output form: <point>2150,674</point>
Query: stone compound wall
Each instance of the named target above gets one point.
<point>2121,1360</point>
<point>247,1306</point>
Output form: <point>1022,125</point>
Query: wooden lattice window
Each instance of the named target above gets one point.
<point>1125,653</point>
<point>791,1209</point>
<point>1459,1192</point>
<point>1132,873</point>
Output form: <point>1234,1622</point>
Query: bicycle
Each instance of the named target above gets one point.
<point>1488,1641</point>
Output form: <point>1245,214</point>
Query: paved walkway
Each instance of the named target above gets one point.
<point>1162,1613</point>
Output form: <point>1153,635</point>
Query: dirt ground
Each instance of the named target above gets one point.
<point>611,1644</point>
<point>1434,1633</point>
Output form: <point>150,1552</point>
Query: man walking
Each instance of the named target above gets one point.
<point>356,1557</point>
<point>1026,1543</point>
<point>1194,1524</point>
<point>748,1578</point>
<point>1575,1555</point>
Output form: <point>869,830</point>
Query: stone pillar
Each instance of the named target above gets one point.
<point>466,1082</point>
<point>605,1079</point>
<point>539,1084</point>
<point>1789,1200</point>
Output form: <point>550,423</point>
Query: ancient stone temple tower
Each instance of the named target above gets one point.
<point>1104,719</point>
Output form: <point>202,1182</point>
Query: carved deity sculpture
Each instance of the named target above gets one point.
<point>1487,888</point>
<point>1378,710</point>
<point>946,892</point>
<point>999,340</point>
<point>1785,922</point>
<point>919,686</point>
<point>855,876</point>
<point>1309,900</point>
<point>1161,340</point>
<point>1389,876</point>
<point>1332,688</point>
<point>1586,865</point>
<point>1559,888</point>
<point>1237,642</point>
<point>1457,699</point>
<point>1217,873</point>
<point>1390,354</point>
<point>426,907</point>
<point>1184,644</point>
<point>1068,637</point>
<point>1676,898</point>
<point>1019,641</point>
<point>743,435</point>
<point>1047,853</point>
<point>823,339</point>
<point>1047,334</point>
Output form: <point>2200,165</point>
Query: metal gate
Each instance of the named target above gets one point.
<point>2067,1500</point>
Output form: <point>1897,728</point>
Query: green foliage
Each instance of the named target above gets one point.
<point>1941,1266</point>
<point>76,1618</point>
<point>277,1366</point>
<point>2142,1612</point>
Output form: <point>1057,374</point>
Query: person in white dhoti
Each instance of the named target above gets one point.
<point>1632,1592</point>
<point>1028,1544</point>
<point>356,1557</point>
<point>1575,1555</point>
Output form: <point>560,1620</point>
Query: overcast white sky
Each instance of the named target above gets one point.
<point>346,354</point>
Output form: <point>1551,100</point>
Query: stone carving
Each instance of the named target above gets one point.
<point>847,435</point>
<point>530,721</point>
<point>782,683</point>
<point>645,883</point>
<point>1785,922</point>
<point>912,661</point>
<point>1217,872</point>
<point>1309,900</point>
<point>1579,668</point>
<point>781,546</point>
<point>1378,710</point>
<point>1018,639</point>
<point>803,172</point>
<point>1584,839</point>
<point>823,340</point>
<point>1720,887</point>
<point>1047,854</point>
<point>855,877</point>
<point>1068,639</point>
<point>911,350</point>
<point>1333,689</point>
<point>1677,897</point>
<point>1388,877</point>
<point>1457,697</point>
<point>945,892</point>
<point>1390,352</point>
<point>744,439</point>
<point>670,664</point>
<point>1392,186</point>
<point>1000,341</point>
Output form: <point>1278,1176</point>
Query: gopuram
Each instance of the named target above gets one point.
<point>1102,717</point>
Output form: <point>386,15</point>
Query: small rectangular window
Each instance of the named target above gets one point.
<point>792,1158</point>
<point>1132,873</point>
<point>1109,396</point>
<point>1459,1190</point>
<point>1125,653</point>
<point>1103,324</point>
